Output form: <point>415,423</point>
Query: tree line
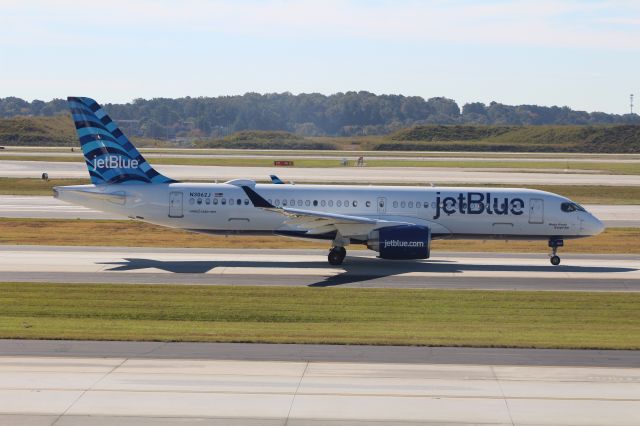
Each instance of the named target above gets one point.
<point>312,114</point>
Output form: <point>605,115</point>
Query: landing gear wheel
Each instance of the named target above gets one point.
<point>337,255</point>
<point>554,244</point>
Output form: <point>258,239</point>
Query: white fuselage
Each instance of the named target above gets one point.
<point>449,212</point>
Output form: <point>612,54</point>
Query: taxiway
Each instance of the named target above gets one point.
<point>310,268</point>
<point>129,391</point>
<point>377,175</point>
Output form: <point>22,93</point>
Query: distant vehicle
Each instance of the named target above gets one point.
<point>396,222</point>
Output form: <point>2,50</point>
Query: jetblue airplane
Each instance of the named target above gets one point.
<point>396,222</point>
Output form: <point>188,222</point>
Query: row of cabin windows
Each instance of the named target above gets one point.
<point>221,201</point>
<point>345,203</point>
<point>307,203</point>
<point>315,203</point>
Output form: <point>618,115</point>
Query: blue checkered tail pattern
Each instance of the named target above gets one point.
<point>111,158</point>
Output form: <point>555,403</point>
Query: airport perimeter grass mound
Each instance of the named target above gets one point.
<point>256,139</point>
<point>38,131</point>
<point>605,139</point>
<point>58,131</point>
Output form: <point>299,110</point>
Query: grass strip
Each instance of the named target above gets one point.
<point>581,194</point>
<point>305,315</point>
<point>127,233</point>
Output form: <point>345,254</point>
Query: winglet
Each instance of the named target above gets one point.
<point>256,199</point>
<point>275,179</point>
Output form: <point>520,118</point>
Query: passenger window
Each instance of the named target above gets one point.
<point>330,203</point>
<point>284,202</point>
<point>238,201</point>
<point>307,203</point>
<point>323,203</point>
<point>215,201</point>
<point>395,204</point>
<point>299,203</point>
<point>292,202</point>
<point>339,203</point>
<point>277,202</point>
<point>223,201</point>
<point>230,201</point>
<point>403,204</point>
<point>355,204</point>
<point>381,204</point>
<point>246,201</point>
<point>315,203</point>
<point>426,204</point>
<point>410,204</point>
<point>346,203</point>
<point>368,204</point>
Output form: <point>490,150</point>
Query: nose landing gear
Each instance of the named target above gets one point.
<point>554,244</point>
<point>337,255</point>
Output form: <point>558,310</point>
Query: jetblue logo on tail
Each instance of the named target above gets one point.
<point>114,162</point>
<point>110,156</point>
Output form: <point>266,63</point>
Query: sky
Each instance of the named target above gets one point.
<point>582,54</point>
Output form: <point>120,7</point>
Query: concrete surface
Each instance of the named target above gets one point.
<point>416,175</point>
<point>310,268</point>
<point>320,353</point>
<point>72,391</point>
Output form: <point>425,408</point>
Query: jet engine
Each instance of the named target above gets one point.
<point>401,242</point>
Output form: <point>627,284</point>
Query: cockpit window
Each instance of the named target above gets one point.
<point>571,207</point>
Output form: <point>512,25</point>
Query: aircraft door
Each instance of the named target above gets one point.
<point>175,204</point>
<point>382,205</point>
<point>536,210</point>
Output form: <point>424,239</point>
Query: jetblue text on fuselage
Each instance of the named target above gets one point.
<point>114,162</point>
<point>477,203</point>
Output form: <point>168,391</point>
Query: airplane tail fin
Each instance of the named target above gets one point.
<point>111,158</point>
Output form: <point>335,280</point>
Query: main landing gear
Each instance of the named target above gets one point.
<point>554,244</point>
<point>337,255</point>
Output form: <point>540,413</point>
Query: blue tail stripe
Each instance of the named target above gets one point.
<point>95,144</point>
<point>95,137</point>
<point>85,131</point>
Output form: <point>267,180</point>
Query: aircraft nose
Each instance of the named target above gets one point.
<point>592,225</point>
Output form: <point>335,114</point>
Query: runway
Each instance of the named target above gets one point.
<point>310,268</point>
<point>126,391</point>
<point>402,175</point>
<point>47,207</point>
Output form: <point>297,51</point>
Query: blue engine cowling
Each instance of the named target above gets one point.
<point>401,242</point>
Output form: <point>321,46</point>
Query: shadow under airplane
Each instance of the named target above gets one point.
<point>356,269</point>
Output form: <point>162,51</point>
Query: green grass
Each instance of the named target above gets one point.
<point>306,315</point>
<point>128,233</point>
<point>32,186</point>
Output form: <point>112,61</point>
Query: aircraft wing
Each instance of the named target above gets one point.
<point>316,222</point>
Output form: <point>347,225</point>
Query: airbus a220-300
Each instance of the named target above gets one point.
<point>396,222</point>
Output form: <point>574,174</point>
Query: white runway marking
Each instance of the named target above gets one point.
<point>132,390</point>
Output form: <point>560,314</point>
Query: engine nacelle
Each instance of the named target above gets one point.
<point>401,242</point>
